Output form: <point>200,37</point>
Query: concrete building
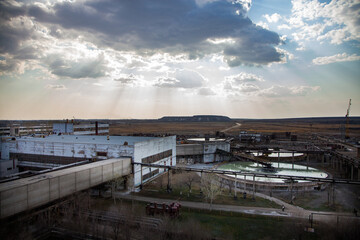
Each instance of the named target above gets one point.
<point>85,128</point>
<point>201,150</point>
<point>66,149</point>
<point>25,129</point>
<point>249,137</point>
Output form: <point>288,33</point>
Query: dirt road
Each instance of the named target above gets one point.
<point>290,211</point>
<point>237,125</point>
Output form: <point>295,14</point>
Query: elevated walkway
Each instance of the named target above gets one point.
<point>243,157</point>
<point>27,193</point>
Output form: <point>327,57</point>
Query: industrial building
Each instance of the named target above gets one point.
<point>55,150</point>
<point>84,128</point>
<point>58,127</point>
<point>202,150</point>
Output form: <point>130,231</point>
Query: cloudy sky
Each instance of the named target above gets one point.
<point>150,58</point>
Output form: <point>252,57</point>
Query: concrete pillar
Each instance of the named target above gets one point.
<point>293,159</point>
<point>235,188</point>
<point>141,176</point>
<point>307,162</point>
<point>169,183</point>
<point>333,194</point>
<point>278,158</point>
<point>291,192</point>
<point>254,186</point>
<point>341,165</point>
<point>352,172</point>
<point>244,183</point>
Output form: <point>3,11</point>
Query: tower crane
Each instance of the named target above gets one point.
<point>347,121</point>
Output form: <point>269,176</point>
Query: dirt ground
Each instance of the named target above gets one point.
<point>169,128</point>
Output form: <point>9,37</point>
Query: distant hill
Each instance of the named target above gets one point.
<point>319,120</point>
<point>196,118</point>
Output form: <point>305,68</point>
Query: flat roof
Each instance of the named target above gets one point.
<point>88,139</point>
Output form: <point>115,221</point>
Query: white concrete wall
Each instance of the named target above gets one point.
<point>5,151</point>
<point>27,193</point>
<point>152,147</point>
<point>77,150</point>
<point>210,149</point>
<point>189,149</point>
<point>63,128</point>
<point>8,167</point>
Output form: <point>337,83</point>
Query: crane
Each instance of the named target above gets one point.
<point>347,121</point>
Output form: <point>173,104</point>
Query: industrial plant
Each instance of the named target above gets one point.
<point>48,168</point>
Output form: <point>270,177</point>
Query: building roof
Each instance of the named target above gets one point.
<point>88,139</point>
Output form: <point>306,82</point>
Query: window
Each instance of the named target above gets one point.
<point>157,157</point>
<point>101,154</point>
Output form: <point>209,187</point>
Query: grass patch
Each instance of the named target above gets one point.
<point>236,226</point>
<point>182,194</point>
<point>314,202</point>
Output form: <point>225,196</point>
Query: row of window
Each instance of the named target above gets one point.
<point>157,157</point>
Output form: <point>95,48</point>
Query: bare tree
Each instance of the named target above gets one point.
<point>210,187</point>
<point>229,184</point>
<point>189,180</point>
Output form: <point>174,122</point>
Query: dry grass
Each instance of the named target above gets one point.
<point>191,128</point>
<point>169,128</point>
<point>300,127</point>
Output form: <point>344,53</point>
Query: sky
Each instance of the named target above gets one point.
<point>141,59</point>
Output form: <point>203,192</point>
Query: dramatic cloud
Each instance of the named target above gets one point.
<point>244,77</point>
<point>245,83</point>
<point>146,27</point>
<point>206,92</point>
<point>128,78</point>
<point>335,58</point>
<point>181,79</point>
<point>80,68</point>
<point>283,91</point>
<point>56,87</point>
<point>274,18</point>
<point>338,20</point>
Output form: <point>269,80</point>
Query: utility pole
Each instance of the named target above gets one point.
<point>347,121</point>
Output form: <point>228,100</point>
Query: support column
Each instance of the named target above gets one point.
<point>141,176</point>
<point>333,194</point>
<point>291,191</point>
<point>235,188</point>
<point>352,172</point>
<point>278,159</point>
<point>307,162</point>
<point>244,183</point>
<point>341,166</point>
<point>293,159</point>
<point>254,186</point>
<point>169,183</point>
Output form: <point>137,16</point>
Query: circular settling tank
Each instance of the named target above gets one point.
<point>276,169</point>
<point>275,154</point>
<point>204,140</point>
